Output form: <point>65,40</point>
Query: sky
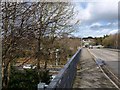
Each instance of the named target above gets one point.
<point>97,18</point>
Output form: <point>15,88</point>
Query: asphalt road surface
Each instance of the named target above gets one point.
<point>89,75</point>
<point>111,58</point>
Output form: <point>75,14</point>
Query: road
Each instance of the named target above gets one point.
<point>89,75</point>
<point>110,57</point>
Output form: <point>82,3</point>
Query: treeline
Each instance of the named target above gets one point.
<point>111,41</point>
<point>33,30</point>
<point>108,41</point>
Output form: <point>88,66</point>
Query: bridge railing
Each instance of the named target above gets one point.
<point>65,77</point>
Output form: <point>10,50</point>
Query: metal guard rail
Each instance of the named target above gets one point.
<point>65,77</point>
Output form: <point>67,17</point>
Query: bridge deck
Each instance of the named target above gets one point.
<point>111,58</point>
<point>89,75</point>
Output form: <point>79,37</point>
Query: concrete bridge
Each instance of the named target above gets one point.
<point>87,69</point>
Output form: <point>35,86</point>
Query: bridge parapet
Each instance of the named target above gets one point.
<point>65,77</point>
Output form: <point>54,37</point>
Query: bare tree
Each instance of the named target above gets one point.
<point>14,31</point>
<point>50,20</point>
<point>37,24</point>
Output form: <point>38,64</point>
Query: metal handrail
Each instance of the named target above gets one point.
<point>65,77</point>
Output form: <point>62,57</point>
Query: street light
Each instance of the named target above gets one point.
<point>81,42</point>
<point>57,50</point>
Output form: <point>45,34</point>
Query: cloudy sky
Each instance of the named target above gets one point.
<point>97,18</point>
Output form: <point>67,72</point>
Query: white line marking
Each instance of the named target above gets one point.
<point>95,57</point>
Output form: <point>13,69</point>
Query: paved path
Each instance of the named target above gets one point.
<point>89,75</point>
<point>110,57</point>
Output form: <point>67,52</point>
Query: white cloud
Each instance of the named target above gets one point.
<point>102,12</point>
<point>95,24</point>
<point>82,14</point>
<point>99,26</point>
<point>97,18</point>
<point>113,31</point>
<point>97,11</point>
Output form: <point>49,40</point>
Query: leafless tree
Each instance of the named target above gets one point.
<point>52,20</point>
<point>14,20</point>
<point>37,24</point>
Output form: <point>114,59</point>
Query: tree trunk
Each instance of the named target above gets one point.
<point>5,79</point>
<point>46,60</point>
<point>45,67</point>
<point>38,55</point>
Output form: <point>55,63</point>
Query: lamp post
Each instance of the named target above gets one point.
<point>81,42</point>
<point>57,50</point>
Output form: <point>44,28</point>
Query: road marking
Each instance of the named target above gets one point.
<point>95,57</point>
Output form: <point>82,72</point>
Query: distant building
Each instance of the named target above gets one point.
<point>88,41</point>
